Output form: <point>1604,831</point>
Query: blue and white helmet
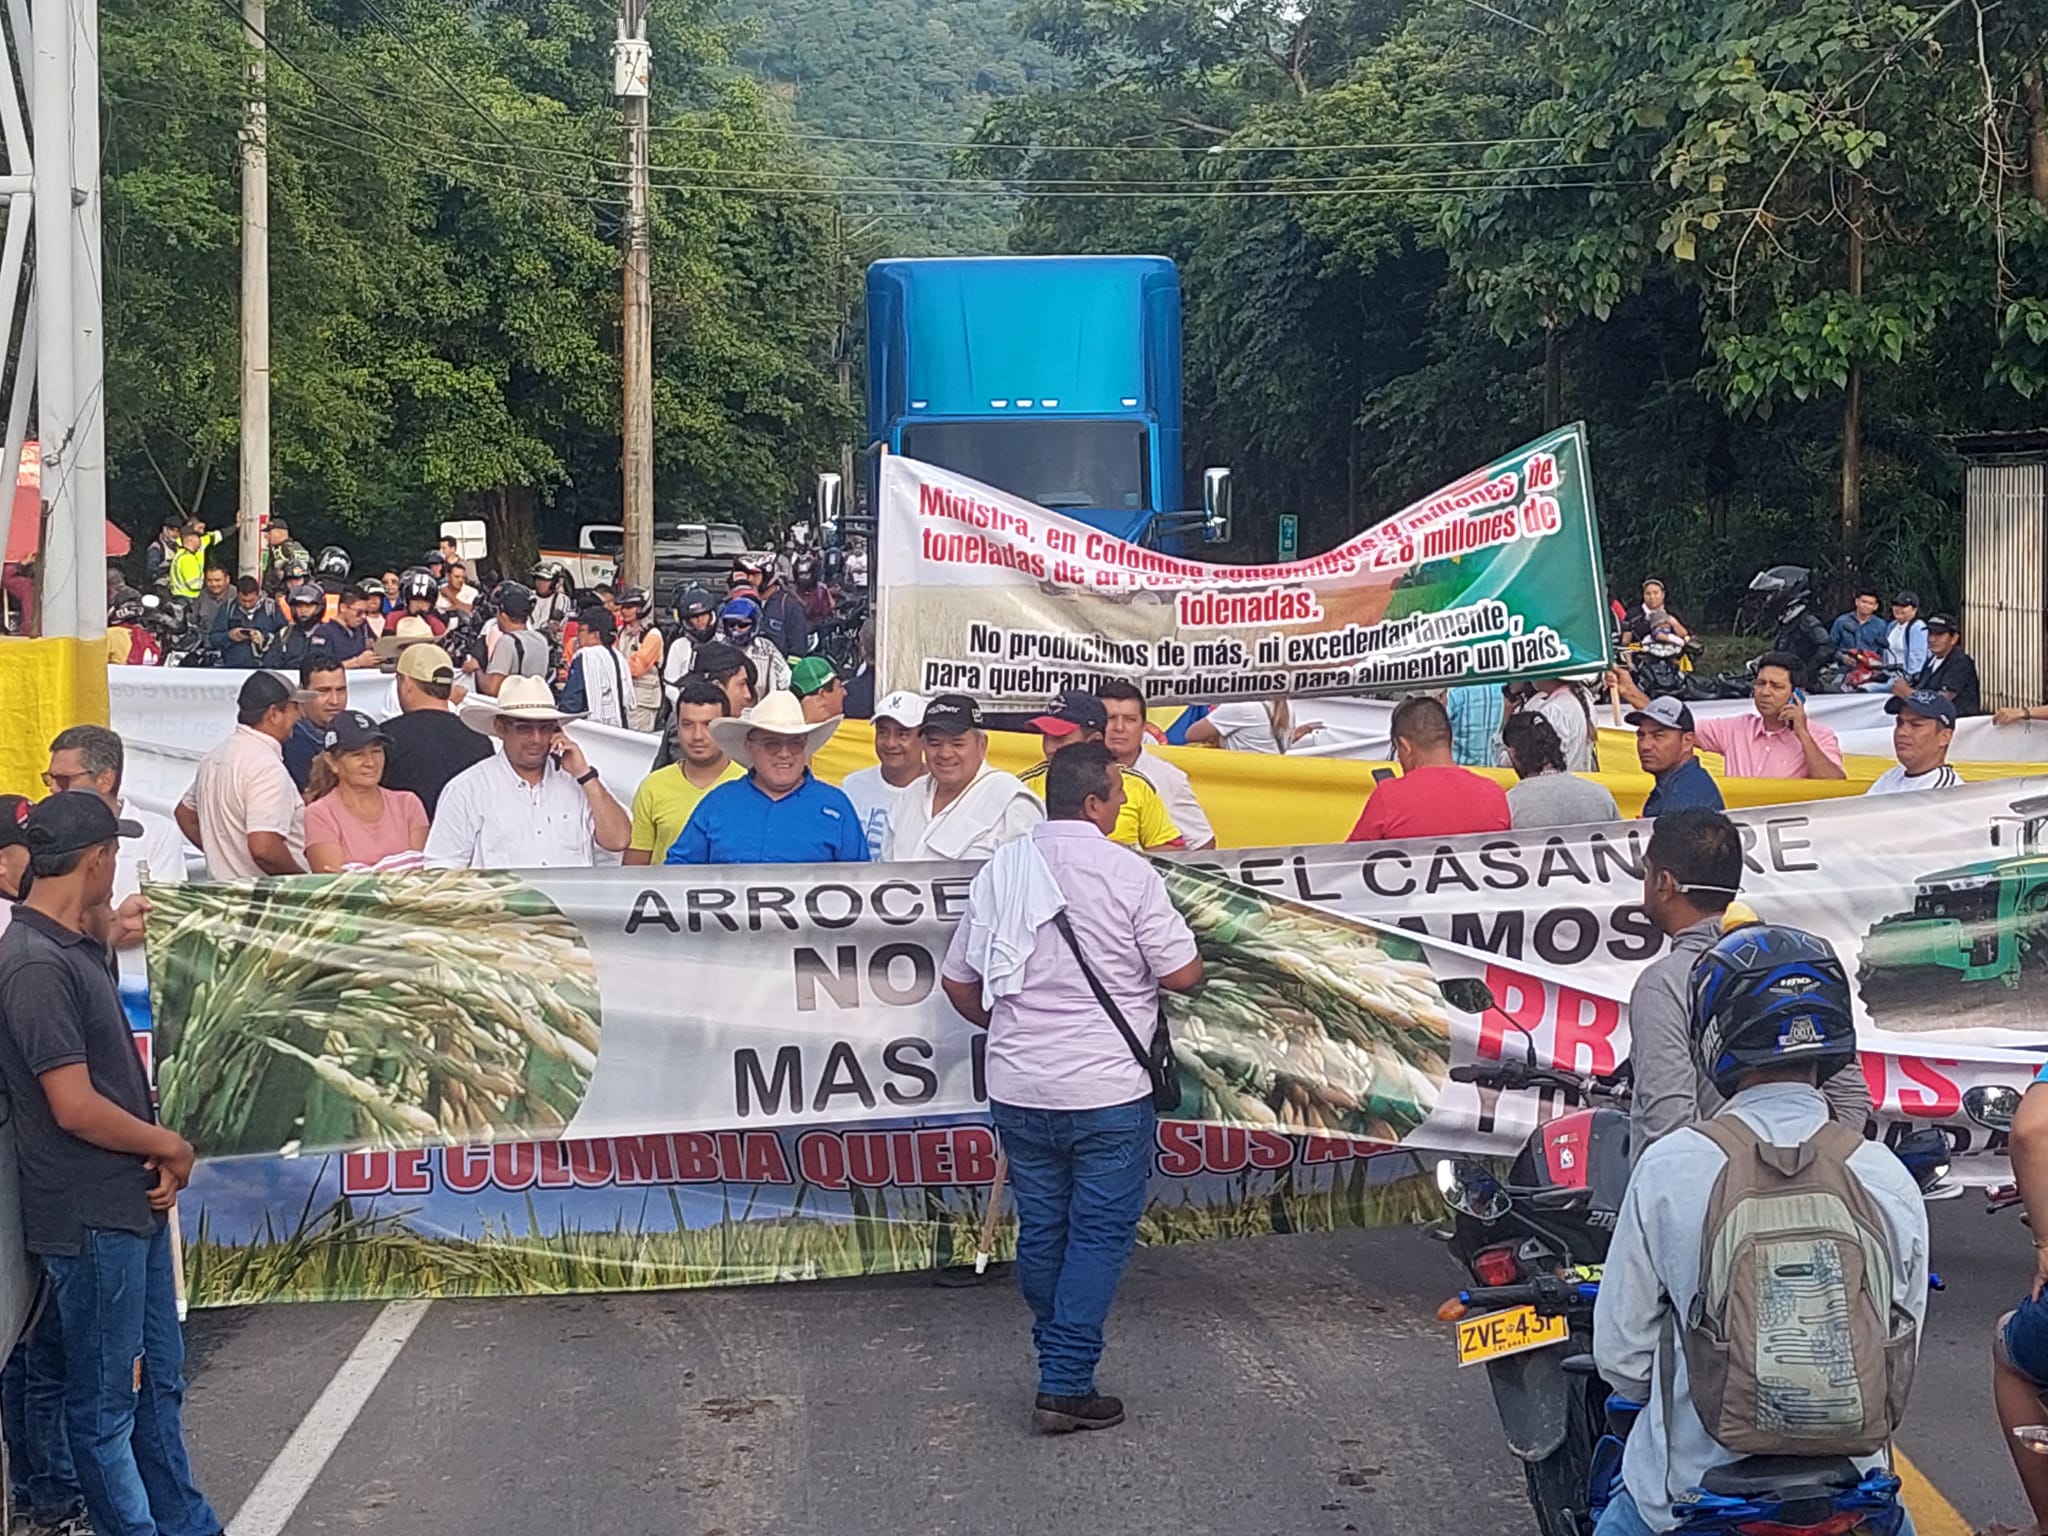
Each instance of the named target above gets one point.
<point>1768,993</point>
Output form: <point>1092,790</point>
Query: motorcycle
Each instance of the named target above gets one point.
<point>1993,1107</point>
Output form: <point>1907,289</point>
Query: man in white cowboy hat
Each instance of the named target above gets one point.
<point>780,813</point>
<point>537,804</point>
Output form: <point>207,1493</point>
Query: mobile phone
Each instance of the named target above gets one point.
<point>1798,695</point>
<point>1381,775</point>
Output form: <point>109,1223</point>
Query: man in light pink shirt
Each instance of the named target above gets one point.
<point>243,811</point>
<point>1068,1096</point>
<point>1776,742</point>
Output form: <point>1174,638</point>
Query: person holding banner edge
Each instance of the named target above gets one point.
<point>1061,927</point>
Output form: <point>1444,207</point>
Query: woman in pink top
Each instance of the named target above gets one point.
<point>359,824</point>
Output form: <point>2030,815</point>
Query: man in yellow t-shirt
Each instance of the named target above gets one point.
<point>1079,716</point>
<point>667,796</point>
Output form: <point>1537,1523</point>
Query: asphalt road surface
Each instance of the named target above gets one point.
<point>1283,1385</point>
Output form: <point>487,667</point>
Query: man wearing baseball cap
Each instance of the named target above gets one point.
<point>964,809</point>
<point>296,643</point>
<point>1665,747</point>
<point>243,811</point>
<point>899,766</point>
<point>1950,670</point>
<point>428,745</point>
<point>1077,716</point>
<point>1923,725</point>
<point>97,1175</point>
<point>816,684</point>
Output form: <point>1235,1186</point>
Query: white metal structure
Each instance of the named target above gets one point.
<point>50,125</point>
<point>2005,569</point>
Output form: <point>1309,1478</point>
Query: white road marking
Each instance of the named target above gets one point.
<point>291,1476</point>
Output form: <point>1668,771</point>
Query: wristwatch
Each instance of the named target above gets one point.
<point>585,778</point>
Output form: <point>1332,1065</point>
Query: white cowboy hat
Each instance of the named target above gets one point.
<point>522,698</point>
<point>410,630</point>
<point>778,714</point>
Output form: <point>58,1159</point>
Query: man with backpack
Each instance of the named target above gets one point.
<point>1765,1287</point>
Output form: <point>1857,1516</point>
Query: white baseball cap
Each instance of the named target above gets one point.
<point>904,707</point>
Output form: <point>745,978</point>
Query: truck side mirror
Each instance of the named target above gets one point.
<point>831,502</point>
<point>1216,506</point>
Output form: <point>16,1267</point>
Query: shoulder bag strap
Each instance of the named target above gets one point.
<point>1102,997</point>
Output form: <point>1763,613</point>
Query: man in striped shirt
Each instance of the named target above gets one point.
<point>1923,725</point>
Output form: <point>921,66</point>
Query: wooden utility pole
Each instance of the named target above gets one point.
<point>631,66</point>
<point>254,509</point>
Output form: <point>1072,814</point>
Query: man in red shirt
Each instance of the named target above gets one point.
<point>1433,797</point>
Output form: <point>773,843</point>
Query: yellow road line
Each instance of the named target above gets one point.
<point>1932,1514</point>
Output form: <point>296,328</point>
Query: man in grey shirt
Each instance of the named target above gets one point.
<point>1548,796</point>
<point>518,651</point>
<point>1691,872</point>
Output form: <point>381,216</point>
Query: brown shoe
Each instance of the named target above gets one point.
<point>1052,1415</point>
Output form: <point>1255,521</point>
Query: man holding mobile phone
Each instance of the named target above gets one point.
<point>1777,741</point>
<point>538,804</point>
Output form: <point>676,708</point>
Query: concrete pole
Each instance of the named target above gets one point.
<point>88,335</point>
<point>254,508</point>
<point>637,315</point>
<point>56,342</point>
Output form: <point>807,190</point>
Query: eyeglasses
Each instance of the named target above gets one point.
<point>533,727</point>
<point>61,782</point>
<point>779,746</point>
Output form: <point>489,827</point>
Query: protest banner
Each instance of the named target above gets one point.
<point>1495,577</point>
<point>797,1100</point>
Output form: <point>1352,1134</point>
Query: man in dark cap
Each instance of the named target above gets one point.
<point>1949,670</point>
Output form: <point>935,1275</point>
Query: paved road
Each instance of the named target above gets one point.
<point>1287,1385</point>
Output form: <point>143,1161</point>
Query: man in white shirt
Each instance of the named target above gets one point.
<point>1923,725</point>
<point>966,809</point>
<point>243,811</point>
<point>92,757</point>
<point>537,804</point>
<point>1128,744</point>
<point>899,770</point>
<point>1564,705</point>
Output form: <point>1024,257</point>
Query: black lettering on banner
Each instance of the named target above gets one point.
<point>880,907</point>
<point>895,1057</point>
<point>841,980</point>
<point>1445,868</point>
<point>814,905</point>
<point>702,901</point>
<point>1777,832</point>
<point>977,1064</point>
<point>648,907</point>
<point>1370,870</point>
<point>924,974</point>
<point>1305,889</point>
<point>1610,861</point>
<point>777,899</point>
<point>1504,859</point>
<point>1637,937</point>
<point>1558,863</point>
<point>1585,935</point>
<point>949,897</point>
<point>1415,924</point>
<point>1503,938</point>
<point>1750,861</point>
<point>748,1083</point>
<point>842,1075</point>
<point>1252,872</point>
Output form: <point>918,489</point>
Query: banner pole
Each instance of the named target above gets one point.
<point>985,1245</point>
<point>178,1264</point>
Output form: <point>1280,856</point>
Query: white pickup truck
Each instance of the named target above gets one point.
<point>684,554</point>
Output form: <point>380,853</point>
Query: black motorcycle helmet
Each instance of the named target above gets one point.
<point>306,595</point>
<point>128,611</point>
<point>333,561</point>
<point>1767,993</point>
<point>1775,595</point>
<point>699,612</point>
<point>804,571</point>
<point>297,569</point>
<point>516,601</point>
<point>417,584</point>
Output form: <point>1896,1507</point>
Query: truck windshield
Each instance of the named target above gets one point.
<point>728,539</point>
<point>1056,463</point>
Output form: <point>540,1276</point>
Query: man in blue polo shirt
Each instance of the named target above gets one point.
<point>779,813</point>
<point>1664,746</point>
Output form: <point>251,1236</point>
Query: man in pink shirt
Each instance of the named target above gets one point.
<point>1071,1102</point>
<point>1778,741</point>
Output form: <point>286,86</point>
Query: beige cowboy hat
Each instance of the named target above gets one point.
<point>410,630</point>
<point>778,714</point>
<point>522,698</point>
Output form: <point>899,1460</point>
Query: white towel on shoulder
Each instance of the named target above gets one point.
<point>1012,897</point>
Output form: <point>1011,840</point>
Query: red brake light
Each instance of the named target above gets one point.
<point>1835,1525</point>
<point>1496,1266</point>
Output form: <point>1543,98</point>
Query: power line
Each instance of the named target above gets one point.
<point>383,18</point>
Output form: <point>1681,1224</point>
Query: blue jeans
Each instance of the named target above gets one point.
<point>32,1408</point>
<point>124,1357</point>
<point>1079,1178</point>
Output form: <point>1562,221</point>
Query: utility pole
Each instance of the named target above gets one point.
<point>254,509</point>
<point>632,63</point>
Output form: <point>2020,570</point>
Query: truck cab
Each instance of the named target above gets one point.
<point>1055,378</point>
<point>1979,921</point>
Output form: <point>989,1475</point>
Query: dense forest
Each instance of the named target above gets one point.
<point>1774,252</point>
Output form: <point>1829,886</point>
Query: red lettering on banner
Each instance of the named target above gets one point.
<point>1874,1079</point>
<point>1518,1000</point>
<point>1269,1149</point>
<point>409,1175</point>
<point>514,1165</point>
<point>867,1159</point>
<point>934,1158</point>
<point>821,1157</point>
<point>1942,1098</point>
<point>974,1155</point>
<point>1588,1022</point>
<point>591,1163</point>
<point>466,1170</point>
<point>644,1160</point>
<point>365,1173</point>
<point>761,1159</point>
<point>1224,1148</point>
<point>551,1159</point>
<point>1180,1148</point>
<point>696,1157</point>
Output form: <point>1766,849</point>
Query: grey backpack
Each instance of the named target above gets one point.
<point>1795,1344</point>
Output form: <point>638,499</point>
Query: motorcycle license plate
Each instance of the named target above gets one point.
<point>1496,1334</point>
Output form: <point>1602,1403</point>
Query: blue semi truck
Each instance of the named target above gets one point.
<point>1055,378</point>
